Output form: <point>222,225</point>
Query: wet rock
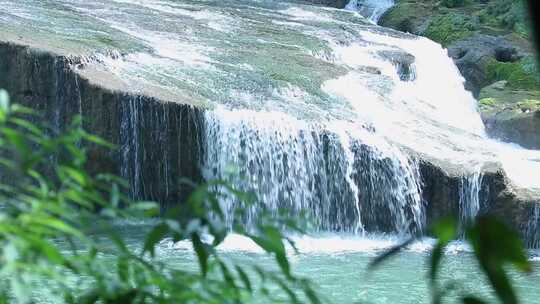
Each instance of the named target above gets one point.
<point>407,16</point>
<point>511,115</point>
<point>472,56</point>
<point>331,3</point>
<point>441,186</point>
<point>493,33</point>
<point>403,61</point>
<point>159,142</point>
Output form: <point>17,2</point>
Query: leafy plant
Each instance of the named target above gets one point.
<point>57,225</point>
<point>495,246</point>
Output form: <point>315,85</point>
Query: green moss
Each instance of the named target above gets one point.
<point>453,3</point>
<point>488,102</point>
<point>401,15</point>
<point>451,27</point>
<point>529,105</point>
<point>520,75</point>
<point>507,14</point>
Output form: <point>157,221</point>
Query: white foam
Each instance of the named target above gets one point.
<point>327,244</point>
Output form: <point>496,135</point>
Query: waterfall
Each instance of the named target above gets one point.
<point>371,9</point>
<point>319,112</point>
<point>532,231</point>
<point>469,197</point>
<point>344,180</point>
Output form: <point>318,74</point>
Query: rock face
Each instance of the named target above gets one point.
<point>472,55</point>
<point>331,3</point>
<point>496,197</point>
<point>403,61</point>
<point>159,142</point>
<point>511,115</point>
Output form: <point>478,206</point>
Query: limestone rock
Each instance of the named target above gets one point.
<point>511,115</point>
<point>472,55</point>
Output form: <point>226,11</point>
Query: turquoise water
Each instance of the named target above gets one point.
<point>338,266</point>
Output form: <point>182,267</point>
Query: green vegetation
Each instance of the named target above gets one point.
<point>529,105</point>
<point>453,3</point>
<point>487,102</point>
<point>451,27</point>
<point>451,20</point>
<point>508,14</point>
<point>522,74</point>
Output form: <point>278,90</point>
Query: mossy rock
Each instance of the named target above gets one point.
<point>487,102</point>
<point>453,3</point>
<point>507,14</point>
<point>511,115</point>
<point>401,17</point>
<point>450,27</point>
<point>529,105</point>
<point>500,97</point>
<point>522,74</point>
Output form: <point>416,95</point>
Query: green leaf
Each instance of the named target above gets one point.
<point>244,278</point>
<point>495,245</point>
<point>445,230</point>
<point>389,254</point>
<point>472,300</point>
<point>271,241</point>
<point>27,125</point>
<point>98,141</point>
<point>75,174</point>
<point>202,251</point>
<point>4,102</point>
<point>58,225</point>
<point>147,208</point>
<point>436,255</point>
<point>227,275</point>
<point>154,237</point>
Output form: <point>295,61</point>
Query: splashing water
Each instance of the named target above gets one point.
<point>371,9</point>
<point>532,231</point>
<point>341,178</point>
<point>469,197</point>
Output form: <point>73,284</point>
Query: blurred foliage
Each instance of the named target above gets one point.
<point>495,247</point>
<point>55,218</point>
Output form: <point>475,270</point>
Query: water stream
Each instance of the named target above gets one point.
<point>318,109</point>
<point>371,9</point>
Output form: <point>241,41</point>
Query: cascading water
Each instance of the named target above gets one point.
<point>371,9</point>
<point>343,179</point>
<point>319,110</point>
<point>532,232</point>
<point>469,197</point>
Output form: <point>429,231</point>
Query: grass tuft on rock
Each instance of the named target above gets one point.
<point>451,27</point>
<point>522,74</point>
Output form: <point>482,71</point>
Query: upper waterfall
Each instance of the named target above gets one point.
<point>319,109</point>
<point>371,9</point>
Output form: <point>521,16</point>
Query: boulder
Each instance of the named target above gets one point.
<point>511,115</point>
<point>403,61</point>
<point>331,3</point>
<point>472,56</point>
